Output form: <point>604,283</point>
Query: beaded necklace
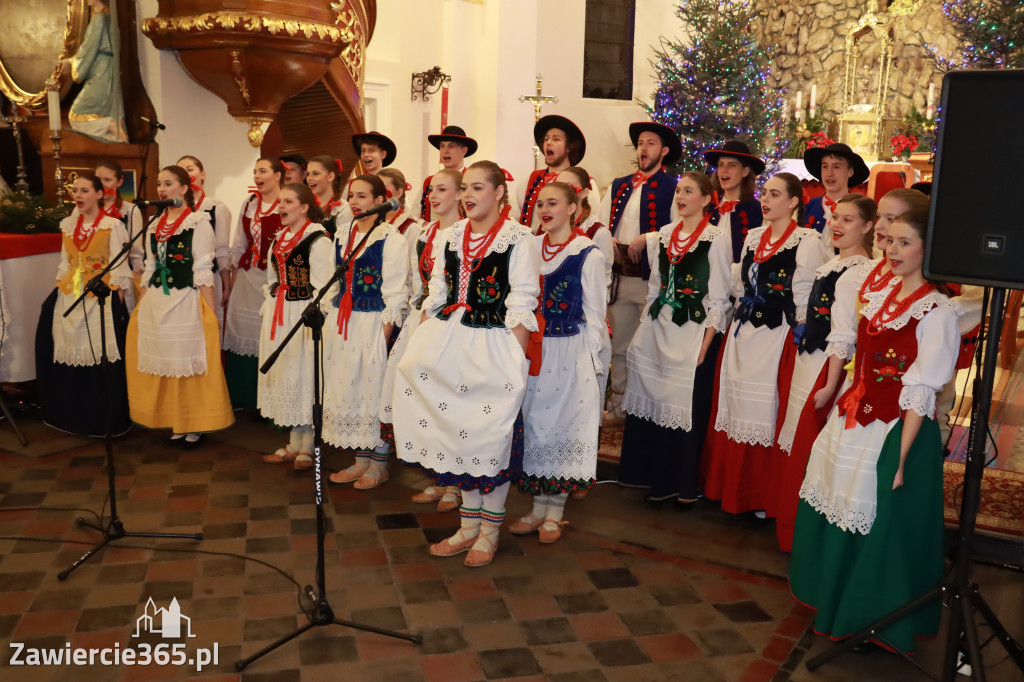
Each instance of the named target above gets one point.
<point>884,316</point>
<point>765,248</point>
<point>874,281</point>
<point>678,248</point>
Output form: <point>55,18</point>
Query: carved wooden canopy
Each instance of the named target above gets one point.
<point>256,54</point>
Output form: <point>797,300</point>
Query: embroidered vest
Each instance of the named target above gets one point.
<point>768,298</point>
<point>562,305</point>
<point>366,276</point>
<point>405,225</point>
<point>270,225</point>
<point>744,216</point>
<point>424,203</point>
<point>815,214</point>
<point>178,262</point>
<point>488,288</point>
<point>881,361</point>
<point>93,259</point>
<point>297,269</point>
<point>818,323</point>
<point>655,208</point>
<point>533,187</point>
<point>684,285</point>
<point>422,273</point>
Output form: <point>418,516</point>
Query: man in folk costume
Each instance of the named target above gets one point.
<point>564,146</point>
<point>455,146</point>
<point>635,205</point>
<point>839,169</point>
<point>295,168</point>
<point>375,151</point>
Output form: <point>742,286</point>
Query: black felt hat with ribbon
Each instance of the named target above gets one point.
<point>453,134</point>
<point>814,156</point>
<point>738,150</point>
<point>379,139</point>
<point>571,130</point>
<point>669,138</point>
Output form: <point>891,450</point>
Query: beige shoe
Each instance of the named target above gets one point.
<point>525,525</point>
<point>551,531</point>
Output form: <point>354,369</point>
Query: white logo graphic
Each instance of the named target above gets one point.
<point>169,621</point>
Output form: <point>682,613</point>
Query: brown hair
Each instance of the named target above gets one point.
<point>794,189</point>
<point>276,165</point>
<point>583,180</point>
<point>914,200</point>
<point>397,179</point>
<point>495,176</point>
<point>112,165</point>
<point>748,184</point>
<point>305,195</point>
<point>569,193</point>
<point>96,183</point>
<point>868,211</point>
<point>917,220</point>
<point>379,190</point>
<point>703,183</point>
<point>197,162</point>
<point>331,166</point>
<point>182,176</point>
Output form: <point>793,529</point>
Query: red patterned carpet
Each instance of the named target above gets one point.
<point>1002,498</point>
<point>610,449</point>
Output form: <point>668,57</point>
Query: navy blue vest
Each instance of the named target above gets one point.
<point>367,275</point>
<point>746,215</point>
<point>655,207</point>
<point>563,296</point>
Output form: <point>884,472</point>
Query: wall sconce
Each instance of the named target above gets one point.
<point>428,83</point>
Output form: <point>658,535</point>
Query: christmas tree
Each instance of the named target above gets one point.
<point>991,34</point>
<point>713,86</point>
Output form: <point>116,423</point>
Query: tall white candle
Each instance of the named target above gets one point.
<point>799,101</point>
<point>53,108</point>
<point>814,97</point>
<point>931,95</point>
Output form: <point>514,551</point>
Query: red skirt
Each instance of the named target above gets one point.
<point>739,474</point>
<point>791,466</point>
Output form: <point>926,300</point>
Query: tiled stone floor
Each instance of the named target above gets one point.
<point>630,593</point>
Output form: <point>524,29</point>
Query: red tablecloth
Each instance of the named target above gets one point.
<point>21,245</point>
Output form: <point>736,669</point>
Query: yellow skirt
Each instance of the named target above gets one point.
<point>194,404</point>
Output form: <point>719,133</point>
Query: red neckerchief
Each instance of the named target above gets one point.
<point>346,304</point>
<point>726,206</point>
<point>283,248</point>
<point>831,205</point>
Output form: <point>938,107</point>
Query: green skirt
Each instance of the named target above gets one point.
<point>851,579</point>
<point>241,373</point>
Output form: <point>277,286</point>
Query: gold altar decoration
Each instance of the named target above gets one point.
<point>865,123</point>
<point>75,22</point>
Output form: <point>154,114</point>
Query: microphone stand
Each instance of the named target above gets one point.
<point>114,529</point>
<point>320,614</point>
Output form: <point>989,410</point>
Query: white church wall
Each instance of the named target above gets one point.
<point>197,122</point>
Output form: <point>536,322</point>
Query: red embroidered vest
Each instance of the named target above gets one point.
<point>270,225</point>
<point>881,362</point>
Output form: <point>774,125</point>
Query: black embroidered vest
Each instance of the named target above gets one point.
<point>768,300</point>
<point>177,264</point>
<point>488,288</point>
<point>297,269</point>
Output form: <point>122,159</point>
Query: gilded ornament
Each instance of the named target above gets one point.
<point>241,21</point>
<point>74,29</point>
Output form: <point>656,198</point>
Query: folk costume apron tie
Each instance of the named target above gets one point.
<point>282,250</point>
<point>82,238</point>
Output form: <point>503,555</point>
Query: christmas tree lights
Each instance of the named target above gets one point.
<point>991,34</point>
<point>713,87</point>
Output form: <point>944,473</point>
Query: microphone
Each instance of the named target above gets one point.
<point>391,204</point>
<point>176,202</point>
<point>155,124</point>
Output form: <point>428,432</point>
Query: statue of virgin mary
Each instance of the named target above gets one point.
<point>98,111</point>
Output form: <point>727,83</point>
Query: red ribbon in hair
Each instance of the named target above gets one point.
<point>508,176</point>
<point>339,166</point>
<point>576,188</point>
<point>388,193</point>
<point>408,187</point>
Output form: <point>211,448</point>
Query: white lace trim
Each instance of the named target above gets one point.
<point>588,223</point>
<point>380,232</point>
<point>85,357</point>
<point>717,319</point>
<point>708,235</point>
<point>838,349</point>
<point>917,310</point>
<point>800,314</point>
<point>203,279</point>
<point>668,416</point>
<point>121,282</point>
<point>241,345</point>
<point>754,237</point>
<point>575,247</point>
<point>351,429</point>
<point>392,315</point>
<point>571,458</point>
<point>865,268</point>
<point>786,436</point>
<point>841,265</point>
<point>838,511</point>
<point>67,226</point>
<point>509,235</point>
<point>514,318</point>
<point>438,236</point>
<point>919,398</point>
<point>286,400</point>
<point>742,431</point>
<point>175,368</point>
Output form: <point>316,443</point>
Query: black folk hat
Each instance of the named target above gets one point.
<point>667,135</point>
<point>295,158</point>
<point>571,130</point>
<point>379,139</point>
<point>453,134</point>
<point>814,156</point>
<point>738,150</point>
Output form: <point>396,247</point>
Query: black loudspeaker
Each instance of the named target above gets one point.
<point>976,223</point>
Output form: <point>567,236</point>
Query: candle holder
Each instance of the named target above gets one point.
<point>14,121</point>
<point>58,173</point>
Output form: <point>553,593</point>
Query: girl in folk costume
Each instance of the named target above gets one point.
<point>822,353</point>
<point>111,175</point>
<point>175,377</point>
<point>443,200</point>
<point>257,226</point>
<point>324,177</point>
<point>586,220</point>
<point>777,268</point>
<point>220,220</point>
<point>372,301</point>
<point>564,393</point>
<point>462,379</point>
<point>734,209</point>
<point>671,359</point>
<point>301,262</point>
<point>68,348</point>
<point>397,187</point>
<point>869,530</point>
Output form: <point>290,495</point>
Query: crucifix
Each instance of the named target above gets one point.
<point>538,101</point>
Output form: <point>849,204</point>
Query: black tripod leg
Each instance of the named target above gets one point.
<point>241,665</point>
<point>415,639</point>
<point>872,630</point>
<point>971,635</point>
<point>10,420</point>
<point>173,536</point>
<point>1012,647</point>
<point>63,575</point>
